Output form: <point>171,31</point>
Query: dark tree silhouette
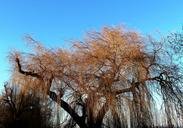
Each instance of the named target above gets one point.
<point>23,109</point>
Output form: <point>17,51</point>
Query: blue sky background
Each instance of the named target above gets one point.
<point>55,22</point>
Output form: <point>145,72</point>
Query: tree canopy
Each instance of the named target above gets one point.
<point>113,78</point>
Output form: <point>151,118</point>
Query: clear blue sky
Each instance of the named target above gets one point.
<point>54,22</point>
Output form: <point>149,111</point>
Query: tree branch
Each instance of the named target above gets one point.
<point>79,120</point>
<point>129,89</point>
<point>27,73</point>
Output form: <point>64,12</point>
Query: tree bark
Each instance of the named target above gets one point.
<point>79,120</point>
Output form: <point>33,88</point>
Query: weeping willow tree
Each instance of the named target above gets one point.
<point>113,78</point>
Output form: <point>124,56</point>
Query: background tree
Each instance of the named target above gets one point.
<point>110,79</point>
<point>20,108</point>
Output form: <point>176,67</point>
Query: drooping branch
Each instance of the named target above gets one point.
<point>79,120</point>
<point>101,114</point>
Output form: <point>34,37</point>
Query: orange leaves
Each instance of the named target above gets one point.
<point>96,63</point>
